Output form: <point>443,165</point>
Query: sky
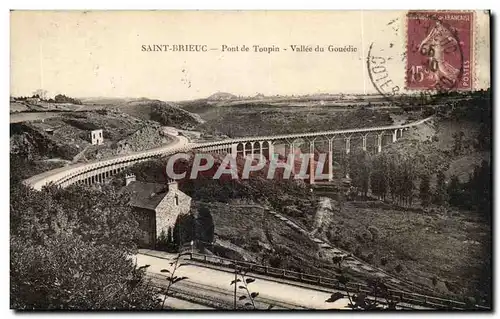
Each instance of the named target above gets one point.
<point>99,53</point>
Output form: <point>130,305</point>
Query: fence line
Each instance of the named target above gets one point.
<point>408,297</point>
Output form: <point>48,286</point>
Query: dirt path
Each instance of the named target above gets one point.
<point>349,261</point>
<point>325,207</point>
<point>78,156</point>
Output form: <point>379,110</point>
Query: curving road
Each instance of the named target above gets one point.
<point>38,181</point>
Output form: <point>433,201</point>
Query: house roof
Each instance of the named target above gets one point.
<point>145,195</point>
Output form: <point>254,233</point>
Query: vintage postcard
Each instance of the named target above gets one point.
<point>250,160</point>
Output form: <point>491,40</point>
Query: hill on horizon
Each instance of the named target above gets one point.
<point>221,96</point>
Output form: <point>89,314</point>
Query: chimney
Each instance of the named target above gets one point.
<point>129,178</point>
<point>172,185</point>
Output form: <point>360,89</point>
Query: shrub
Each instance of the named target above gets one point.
<point>374,232</point>
<point>330,235</point>
<point>360,238</point>
<point>345,244</point>
<point>237,240</point>
<point>470,302</point>
<point>369,257</point>
<point>337,260</point>
<point>367,236</point>
<point>357,251</point>
<point>162,241</point>
<point>398,268</point>
<point>383,261</point>
<point>276,261</point>
<point>451,286</point>
<point>434,281</point>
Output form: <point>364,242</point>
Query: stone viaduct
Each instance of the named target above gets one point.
<point>373,138</point>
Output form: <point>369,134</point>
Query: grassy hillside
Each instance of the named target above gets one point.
<point>64,136</point>
<point>445,250</point>
<point>33,143</point>
<point>248,232</point>
<point>165,113</point>
<point>254,120</point>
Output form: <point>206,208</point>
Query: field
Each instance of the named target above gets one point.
<point>264,119</point>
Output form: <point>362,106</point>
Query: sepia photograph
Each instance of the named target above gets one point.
<point>250,160</point>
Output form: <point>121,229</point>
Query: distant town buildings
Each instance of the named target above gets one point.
<point>96,137</point>
<point>157,207</point>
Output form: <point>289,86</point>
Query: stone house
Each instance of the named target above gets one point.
<point>96,137</point>
<point>156,206</point>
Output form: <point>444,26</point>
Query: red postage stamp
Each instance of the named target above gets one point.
<point>440,48</point>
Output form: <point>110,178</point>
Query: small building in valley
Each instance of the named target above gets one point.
<point>157,207</point>
<point>49,131</point>
<point>96,137</point>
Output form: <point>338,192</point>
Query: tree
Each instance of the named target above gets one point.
<point>392,179</point>
<point>474,194</point>
<point>183,231</point>
<point>248,297</point>
<point>458,142</point>
<point>441,193</point>
<point>425,191</point>
<point>481,188</point>
<point>408,185</point>
<point>379,177</point>
<point>69,273</point>
<point>70,249</point>
<point>40,93</point>
<point>61,98</point>
<point>359,170</point>
<point>483,138</point>
<point>170,239</point>
<point>455,192</point>
<point>204,226</point>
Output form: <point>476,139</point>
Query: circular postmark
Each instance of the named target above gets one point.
<point>436,57</point>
